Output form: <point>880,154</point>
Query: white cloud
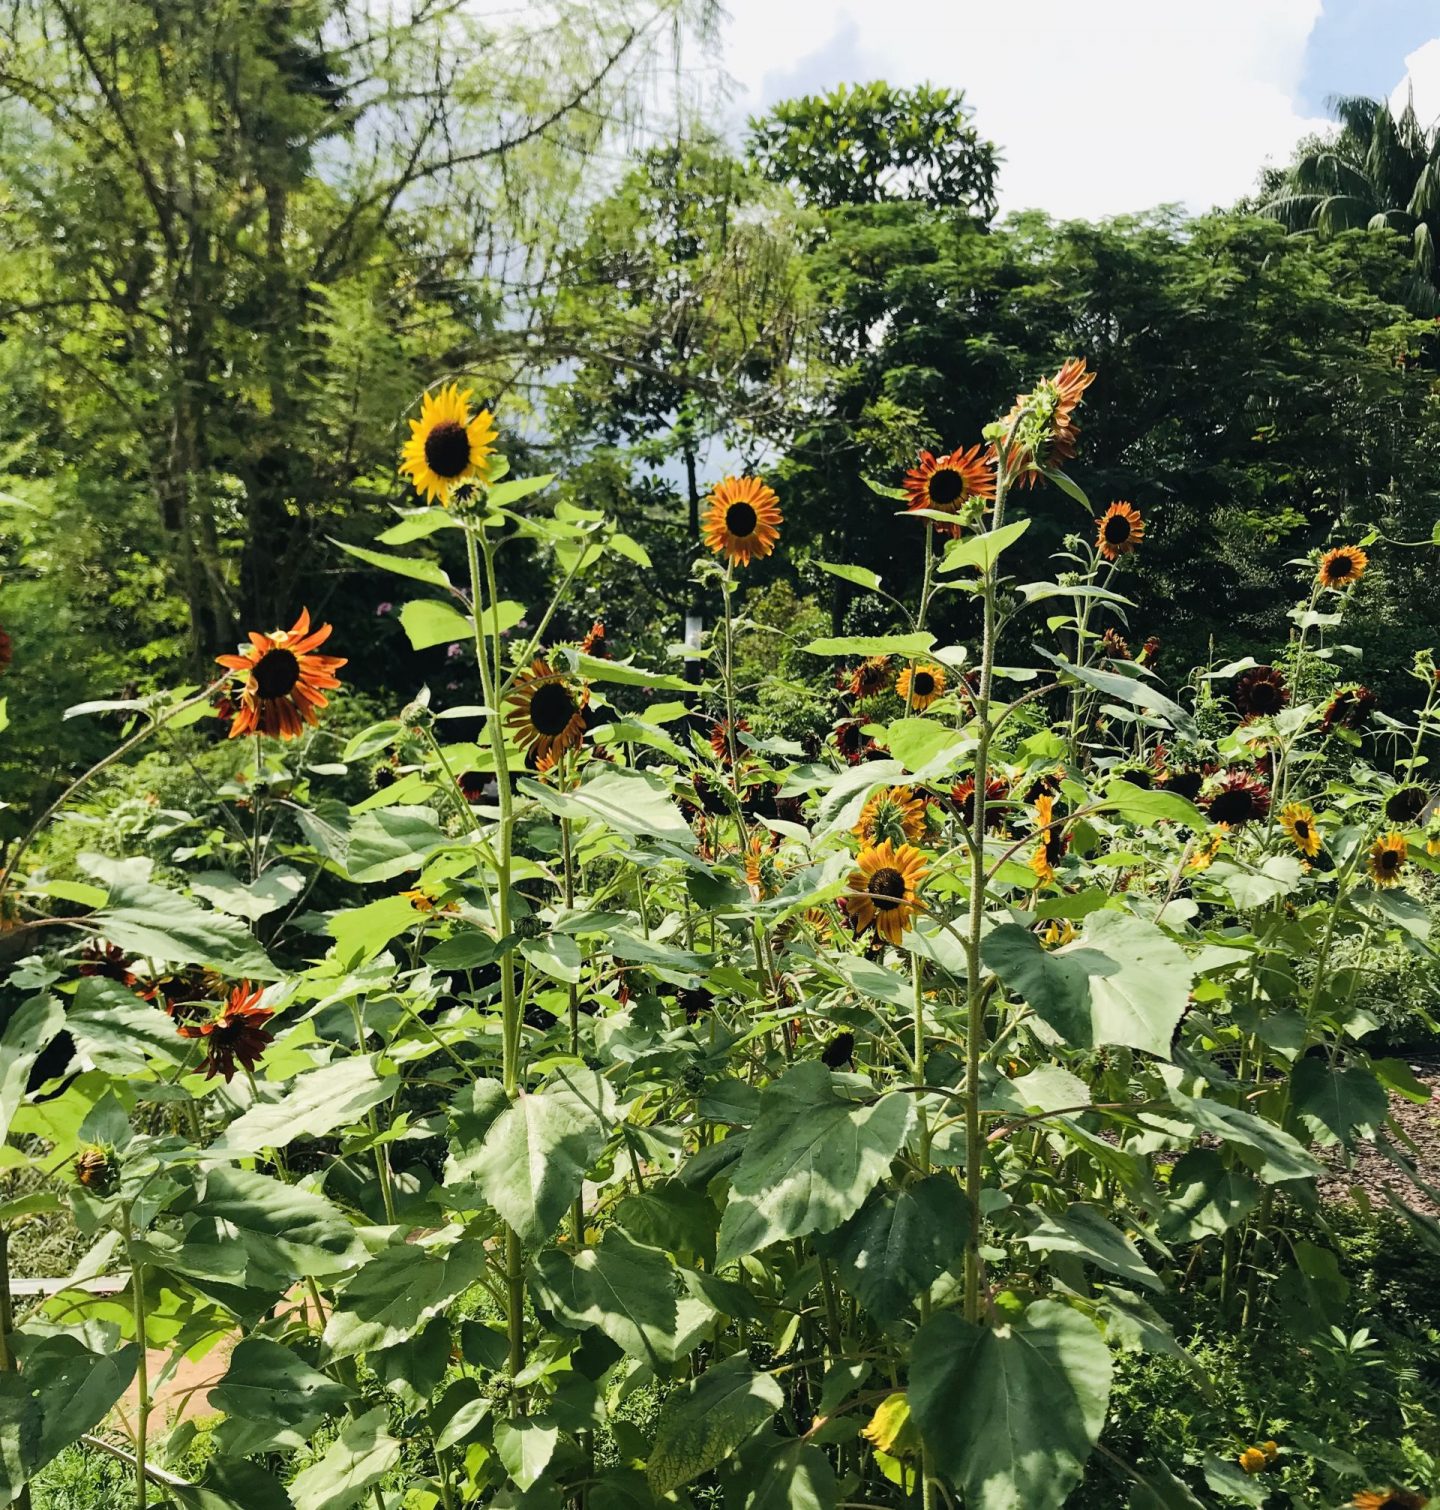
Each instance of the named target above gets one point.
<point>1099,109</point>
<point>1422,78</point>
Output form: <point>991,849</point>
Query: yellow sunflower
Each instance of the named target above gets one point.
<point>1053,842</point>
<point>1342,566</point>
<point>894,813</point>
<point>762,868</point>
<point>1387,859</point>
<point>546,711</point>
<point>448,445</point>
<point>1119,530</point>
<point>1206,855</point>
<point>890,880</point>
<point>919,686</point>
<point>282,681</point>
<point>1299,822</point>
<point>743,520</point>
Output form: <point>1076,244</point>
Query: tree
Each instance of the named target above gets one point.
<point>873,143</point>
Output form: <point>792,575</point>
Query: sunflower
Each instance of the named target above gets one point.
<point>594,641</point>
<point>762,870</point>
<point>869,677</point>
<point>1058,933</point>
<point>919,686</point>
<point>694,1001</point>
<point>840,1050</point>
<point>471,785</point>
<point>448,446</point>
<point>1253,1460</point>
<point>1185,783</point>
<point>1390,1499</point>
<point>1350,708</point>
<point>1053,842</point>
<point>1041,425</point>
<point>890,880</point>
<point>237,1033</point>
<point>1406,803</point>
<point>1298,821</point>
<point>721,734</point>
<point>1209,852</point>
<point>1119,530</point>
<point>1115,645</point>
<point>1149,650</point>
<point>743,520</point>
<point>947,483</point>
<point>894,813</point>
<point>1387,859</point>
<point>282,680</point>
<point>7,652</point>
<point>962,794</point>
<point>1261,692</point>
<point>1240,798</point>
<point>546,712</point>
<point>850,743</point>
<point>95,1168</point>
<point>1342,566</point>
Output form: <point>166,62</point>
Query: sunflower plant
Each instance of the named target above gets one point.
<point>616,1106</point>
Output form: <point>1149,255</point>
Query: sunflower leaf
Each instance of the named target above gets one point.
<point>403,566</point>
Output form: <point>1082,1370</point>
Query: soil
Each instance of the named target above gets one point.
<point>1366,1173</point>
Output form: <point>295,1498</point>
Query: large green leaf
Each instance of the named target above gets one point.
<point>899,1243</point>
<point>397,1292</point>
<point>1122,982</point>
<point>389,841</point>
<point>1010,1414</point>
<point>982,550</point>
<point>36,1021</point>
<point>416,568</point>
<point>919,643</point>
<point>360,1457</point>
<point>1271,1151</point>
<point>1206,1197</point>
<point>818,1147</point>
<point>630,802</point>
<point>315,1103</point>
<point>165,927</point>
<point>794,1476</point>
<point>924,745</point>
<point>1134,690</point>
<point>701,1426</point>
<point>1337,1104</point>
<point>428,621</point>
<point>531,1163</point>
<point>118,1031</point>
<point>525,1445</point>
<point>1085,1231</point>
<point>271,1399</point>
<point>76,1389</point>
<point>20,1435</point>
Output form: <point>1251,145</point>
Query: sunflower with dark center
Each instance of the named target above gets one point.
<point>1342,566</point>
<point>743,520</point>
<point>449,448</point>
<point>850,743</point>
<point>282,682</point>
<point>1298,821</point>
<point>1047,784</point>
<point>1350,708</point>
<point>1261,692</point>
<point>1390,1499</point>
<point>105,960</point>
<point>894,813</point>
<point>840,1050</point>
<point>721,735</point>
<point>1119,530</point>
<point>238,1034</point>
<point>1053,841</point>
<point>919,686</point>
<point>870,677</point>
<point>694,1001</point>
<point>946,483</point>
<point>1386,862</point>
<point>1137,775</point>
<point>885,890</point>
<point>594,641</point>
<point>997,790</point>
<point>547,714</point>
<point>1406,803</point>
<point>1239,798</point>
<point>471,785</point>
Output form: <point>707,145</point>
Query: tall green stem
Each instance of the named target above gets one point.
<point>142,1369</point>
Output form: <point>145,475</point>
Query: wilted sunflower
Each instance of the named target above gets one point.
<point>890,879</point>
<point>1390,1499</point>
<point>1240,798</point>
<point>1387,859</point>
<point>1119,530</point>
<point>238,1033</point>
<point>1261,692</point>
<point>894,813</point>
<point>1053,841</point>
<point>1342,566</point>
<point>1350,708</point>
<point>546,712</point>
<point>95,1168</point>
<point>918,686</point>
<point>1047,435</point>
<point>1298,821</point>
<point>448,446</point>
<point>945,483</point>
<point>743,520</point>
<point>869,677</point>
<point>1406,803</point>
<point>283,682</point>
<point>962,794</point>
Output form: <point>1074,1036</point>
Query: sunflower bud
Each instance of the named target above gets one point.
<point>416,716</point>
<point>528,927</point>
<point>692,1079</point>
<point>95,1168</point>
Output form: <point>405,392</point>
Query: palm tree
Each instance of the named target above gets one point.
<point>1380,172</point>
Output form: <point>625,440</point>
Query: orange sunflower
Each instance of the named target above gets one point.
<point>946,483</point>
<point>1342,566</point>
<point>546,711</point>
<point>448,445</point>
<point>919,686</point>
<point>892,812</point>
<point>1053,841</point>
<point>239,1032</point>
<point>889,879</point>
<point>284,680</point>
<point>743,520</point>
<point>1119,530</point>
<point>1046,436</point>
<point>1390,1499</point>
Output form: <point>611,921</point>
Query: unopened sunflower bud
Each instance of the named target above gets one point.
<point>95,1168</point>
<point>416,715</point>
<point>528,927</point>
<point>692,1079</point>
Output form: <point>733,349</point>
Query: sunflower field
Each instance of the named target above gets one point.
<point>607,1105</point>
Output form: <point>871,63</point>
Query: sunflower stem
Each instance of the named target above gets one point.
<point>142,1370</point>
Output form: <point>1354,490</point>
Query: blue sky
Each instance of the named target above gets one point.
<point>1112,105</point>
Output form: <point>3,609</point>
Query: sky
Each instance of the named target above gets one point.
<point>1111,106</point>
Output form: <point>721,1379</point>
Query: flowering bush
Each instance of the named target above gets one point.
<point>854,1106</point>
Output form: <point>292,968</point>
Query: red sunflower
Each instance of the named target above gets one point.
<point>238,1033</point>
<point>946,483</point>
<point>282,681</point>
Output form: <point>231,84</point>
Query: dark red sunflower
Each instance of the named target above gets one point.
<point>1350,708</point>
<point>870,677</point>
<point>720,736</point>
<point>1239,798</point>
<point>237,1034</point>
<point>962,794</point>
<point>1261,693</point>
<point>1115,645</point>
<point>594,642</point>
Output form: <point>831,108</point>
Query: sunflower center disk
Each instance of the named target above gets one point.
<point>923,685</point>
<point>276,673</point>
<point>947,487</point>
<point>741,519</point>
<point>887,889</point>
<point>1117,530</point>
<point>551,708</point>
<point>447,449</point>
